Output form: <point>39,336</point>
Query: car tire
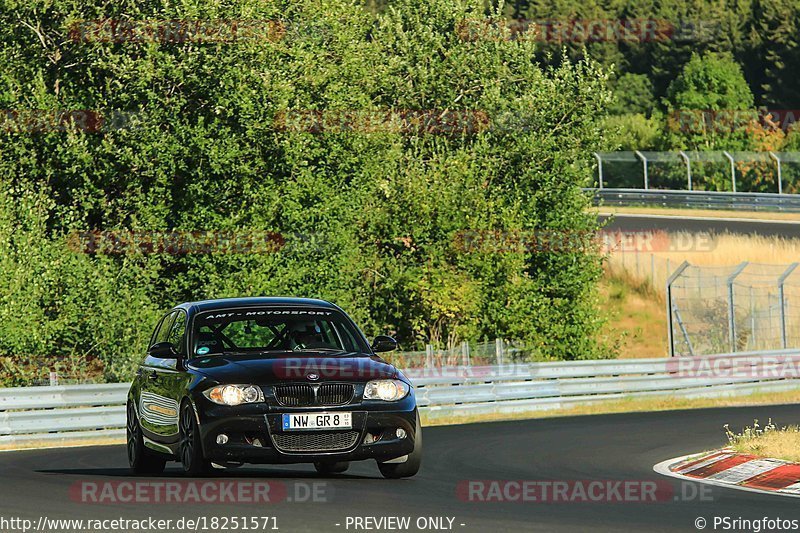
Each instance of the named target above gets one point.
<point>190,449</point>
<point>328,467</point>
<point>412,464</point>
<point>140,459</point>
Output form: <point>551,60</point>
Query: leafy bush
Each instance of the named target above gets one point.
<point>370,219</point>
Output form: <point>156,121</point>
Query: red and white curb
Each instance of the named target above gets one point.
<point>726,468</point>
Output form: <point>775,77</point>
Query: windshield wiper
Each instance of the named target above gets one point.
<point>333,350</point>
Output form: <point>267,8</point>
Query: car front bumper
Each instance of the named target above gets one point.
<point>254,434</point>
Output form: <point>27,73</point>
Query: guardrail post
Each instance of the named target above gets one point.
<point>688,168</point>
<point>731,308</point>
<point>644,166</point>
<point>733,169</point>
<point>782,302</point>
<point>670,279</point>
<point>599,168</point>
<point>780,181</point>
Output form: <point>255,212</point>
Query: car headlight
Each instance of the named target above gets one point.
<point>234,394</point>
<point>388,390</point>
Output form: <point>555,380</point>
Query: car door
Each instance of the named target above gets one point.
<point>158,407</point>
<point>173,380</point>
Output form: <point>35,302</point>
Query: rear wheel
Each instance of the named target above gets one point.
<point>411,466</point>
<point>140,459</point>
<point>328,467</point>
<point>190,448</point>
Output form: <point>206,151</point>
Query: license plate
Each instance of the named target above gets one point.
<point>317,421</point>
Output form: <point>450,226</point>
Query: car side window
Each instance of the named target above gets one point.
<point>162,335</point>
<point>177,333</point>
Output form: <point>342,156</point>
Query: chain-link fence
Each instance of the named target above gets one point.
<point>496,352</point>
<point>745,307</point>
<point>743,171</point>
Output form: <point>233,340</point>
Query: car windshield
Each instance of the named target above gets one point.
<point>272,330</point>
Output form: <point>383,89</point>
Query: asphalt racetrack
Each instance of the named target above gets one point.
<point>766,228</point>
<point>618,447</point>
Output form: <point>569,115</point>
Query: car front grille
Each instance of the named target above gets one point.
<point>294,395</point>
<point>315,441</point>
<point>334,393</point>
<point>305,395</point>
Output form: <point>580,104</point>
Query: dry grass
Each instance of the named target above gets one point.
<point>66,443</point>
<point>731,250</point>
<point>728,250</point>
<point>636,315</point>
<point>769,441</point>
<point>709,213</point>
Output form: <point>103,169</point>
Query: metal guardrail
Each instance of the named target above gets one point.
<point>750,201</point>
<point>53,415</point>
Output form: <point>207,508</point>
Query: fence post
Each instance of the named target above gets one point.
<point>599,168</point>
<point>464,353</point>
<point>731,306</point>
<point>670,279</point>
<point>733,169</point>
<point>428,356</point>
<point>782,302</point>
<point>753,320</point>
<point>498,344</point>
<point>778,160</point>
<point>652,268</point>
<point>688,168</point>
<point>644,167</point>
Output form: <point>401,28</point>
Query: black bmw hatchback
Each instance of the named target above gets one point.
<point>269,380</point>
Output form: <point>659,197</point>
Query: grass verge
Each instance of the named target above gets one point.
<point>65,443</point>
<point>709,213</point>
<point>636,315</point>
<point>768,441</point>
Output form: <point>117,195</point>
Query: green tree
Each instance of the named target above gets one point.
<point>371,216</point>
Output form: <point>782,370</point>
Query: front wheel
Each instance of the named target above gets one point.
<point>140,459</point>
<point>190,449</point>
<point>411,466</point>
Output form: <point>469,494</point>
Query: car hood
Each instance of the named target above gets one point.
<point>271,369</point>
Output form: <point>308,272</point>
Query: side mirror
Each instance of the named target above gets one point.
<point>162,350</point>
<point>383,343</point>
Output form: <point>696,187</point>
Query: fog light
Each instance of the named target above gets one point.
<point>369,439</point>
<point>401,433</point>
<point>222,438</point>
